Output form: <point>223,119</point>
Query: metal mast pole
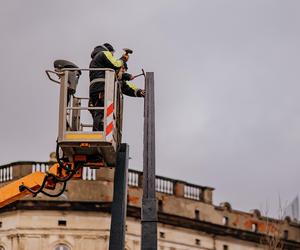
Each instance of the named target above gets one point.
<point>119,206</point>
<point>149,209</point>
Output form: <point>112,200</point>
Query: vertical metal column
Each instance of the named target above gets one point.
<point>119,206</point>
<point>149,209</point>
<point>63,105</point>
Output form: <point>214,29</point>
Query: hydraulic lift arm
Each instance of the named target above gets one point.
<point>36,182</point>
<point>12,192</point>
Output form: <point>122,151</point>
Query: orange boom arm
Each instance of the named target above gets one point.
<point>36,182</point>
<point>11,192</point>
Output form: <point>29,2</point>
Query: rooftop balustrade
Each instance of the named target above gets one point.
<point>164,185</point>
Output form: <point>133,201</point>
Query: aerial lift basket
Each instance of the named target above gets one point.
<point>73,138</point>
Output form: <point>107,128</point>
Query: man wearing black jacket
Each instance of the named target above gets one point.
<point>102,57</point>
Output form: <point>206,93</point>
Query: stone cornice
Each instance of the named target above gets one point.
<point>135,212</point>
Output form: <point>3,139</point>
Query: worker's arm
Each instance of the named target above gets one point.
<point>112,61</point>
<point>128,88</point>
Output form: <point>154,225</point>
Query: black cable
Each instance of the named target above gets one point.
<point>72,173</point>
<point>55,178</point>
<point>58,179</point>
<point>34,192</point>
<point>58,194</point>
<point>59,161</point>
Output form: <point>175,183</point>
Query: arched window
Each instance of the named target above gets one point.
<point>2,248</point>
<point>61,247</point>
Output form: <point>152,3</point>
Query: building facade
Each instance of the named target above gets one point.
<point>80,218</point>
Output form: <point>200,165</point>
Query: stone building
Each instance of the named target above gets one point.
<point>80,218</point>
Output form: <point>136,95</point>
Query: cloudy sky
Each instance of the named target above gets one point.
<point>226,79</point>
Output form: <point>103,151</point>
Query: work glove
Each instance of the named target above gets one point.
<point>141,93</point>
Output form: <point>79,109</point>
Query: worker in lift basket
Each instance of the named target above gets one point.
<point>102,57</point>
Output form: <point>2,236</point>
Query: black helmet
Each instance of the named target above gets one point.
<point>108,47</point>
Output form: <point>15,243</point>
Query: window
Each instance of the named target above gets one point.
<point>2,248</point>
<point>62,223</point>
<point>197,214</point>
<point>0,226</point>
<point>225,221</point>
<point>285,234</point>
<point>160,205</point>
<point>62,247</point>
<point>225,247</point>
<point>198,242</point>
<point>162,235</point>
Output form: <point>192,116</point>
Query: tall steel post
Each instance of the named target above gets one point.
<point>119,206</point>
<point>149,207</point>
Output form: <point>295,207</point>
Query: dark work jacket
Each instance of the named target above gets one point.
<point>128,88</point>
<point>102,58</point>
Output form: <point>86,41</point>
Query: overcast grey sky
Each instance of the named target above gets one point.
<point>226,78</point>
